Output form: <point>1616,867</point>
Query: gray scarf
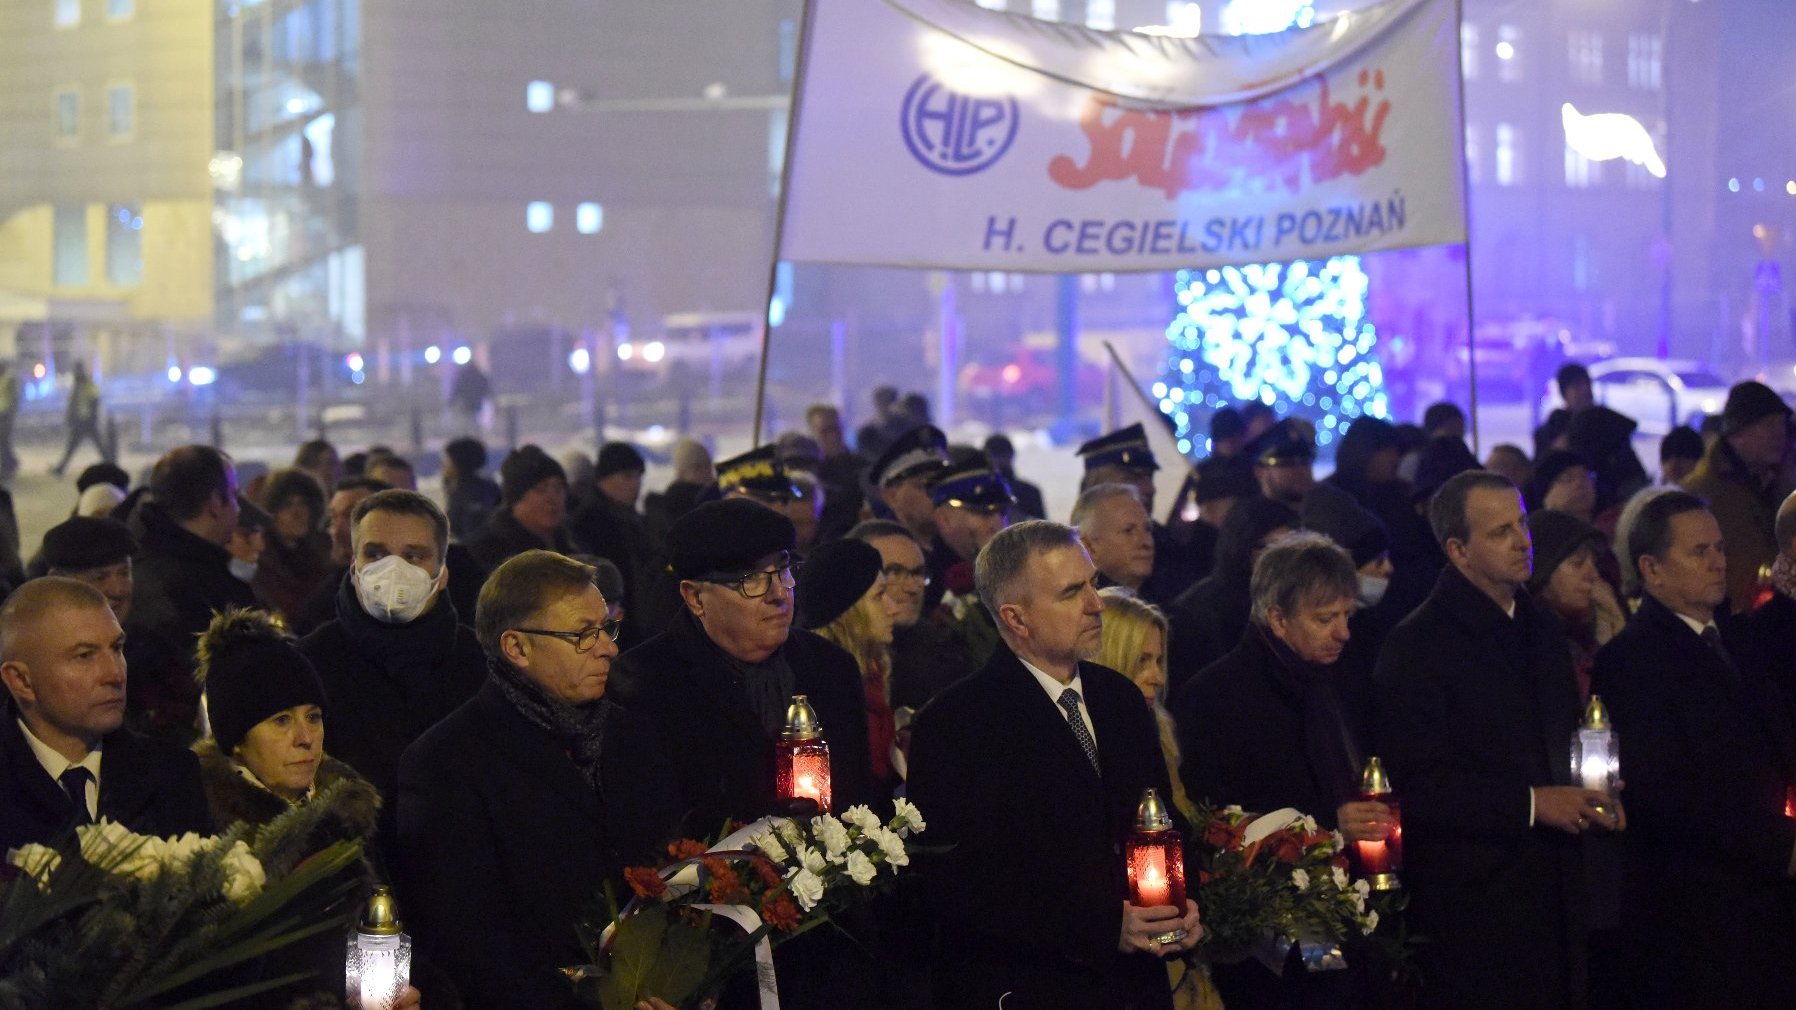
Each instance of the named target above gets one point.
<point>580,729</point>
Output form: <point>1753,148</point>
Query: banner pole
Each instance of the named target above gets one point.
<point>1128,378</point>
<point>779,215</point>
<point>1465,181</point>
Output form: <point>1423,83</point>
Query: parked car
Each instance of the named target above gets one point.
<point>1659,394</point>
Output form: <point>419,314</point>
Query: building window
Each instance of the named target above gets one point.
<point>539,216</point>
<point>1097,284</point>
<point>120,10</point>
<point>539,96</point>
<point>1581,172</point>
<point>589,218</point>
<point>1184,17</point>
<point>1047,10</point>
<point>1636,177</point>
<point>121,111</point>
<point>1468,51</point>
<point>1473,154</point>
<point>1100,14</point>
<point>1645,55</point>
<point>1585,50</point>
<point>1509,54</point>
<point>68,13</point>
<point>1508,155</point>
<point>68,115</point>
<point>124,244</point>
<point>69,262</point>
<point>992,5</point>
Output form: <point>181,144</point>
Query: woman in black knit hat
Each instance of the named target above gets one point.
<point>842,597</point>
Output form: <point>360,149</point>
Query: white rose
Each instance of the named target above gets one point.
<point>860,868</point>
<point>1309,823</point>
<point>891,846</point>
<point>806,888</point>
<point>909,817</point>
<point>1300,879</point>
<point>859,816</point>
<point>112,847</point>
<point>1339,839</point>
<point>38,861</point>
<point>769,845</point>
<point>1340,878</point>
<point>1362,888</point>
<point>789,831</point>
<point>1371,923</point>
<point>243,874</point>
<point>180,851</point>
<point>832,834</point>
<point>812,860</point>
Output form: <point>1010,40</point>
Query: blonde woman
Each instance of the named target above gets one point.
<point>842,596</point>
<point>1134,644</point>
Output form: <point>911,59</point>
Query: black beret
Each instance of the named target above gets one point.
<point>834,578</point>
<point>525,468</point>
<point>618,457</point>
<point>82,543</point>
<point>727,537</point>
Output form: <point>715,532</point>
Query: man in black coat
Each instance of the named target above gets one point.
<point>516,810</point>
<point>717,683</point>
<point>1710,764</point>
<point>1773,624</point>
<point>65,757</point>
<point>530,513</point>
<point>1207,620</point>
<point>1031,771</point>
<point>1476,705</point>
<point>609,526</point>
<point>183,573</point>
<point>398,657</point>
<point>1125,457</point>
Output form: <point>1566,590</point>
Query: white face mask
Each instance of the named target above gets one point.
<point>1371,589</point>
<point>244,570</point>
<point>394,590</point>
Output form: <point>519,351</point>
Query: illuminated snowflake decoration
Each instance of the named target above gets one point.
<point>1293,336</point>
<point>1263,17</point>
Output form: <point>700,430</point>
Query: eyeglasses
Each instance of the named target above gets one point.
<point>582,641</point>
<point>896,573</point>
<point>755,585</point>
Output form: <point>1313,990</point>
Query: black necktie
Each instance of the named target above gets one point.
<point>74,782</point>
<point>1069,700</point>
<point>1711,636</point>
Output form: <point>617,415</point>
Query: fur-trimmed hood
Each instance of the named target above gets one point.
<point>233,798</point>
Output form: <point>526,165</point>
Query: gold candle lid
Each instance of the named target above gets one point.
<point>381,917</point>
<point>1373,781</point>
<point>801,721</point>
<point>1151,815</point>
<point>1596,714</point>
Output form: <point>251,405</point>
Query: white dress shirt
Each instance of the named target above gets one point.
<point>1055,689</point>
<point>56,764</point>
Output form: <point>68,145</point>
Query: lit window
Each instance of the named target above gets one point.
<point>992,5</point>
<point>1637,177</point>
<point>1468,51</point>
<point>124,244</point>
<point>539,216</point>
<point>1100,14</point>
<point>1508,155</point>
<point>68,115</point>
<point>1474,154</point>
<point>1047,10</point>
<point>68,13</point>
<point>1016,283</point>
<point>69,267</point>
<point>979,282</point>
<point>1184,17</point>
<point>1581,172</point>
<point>1106,282</point>
<point>1585,49</point>
<point>589,218</point>
<point>1509,54</point>
<point>1645,55</point>
<point>120,10</point>
<point>121,111</point>
<point>994,281</point>
<point>539,96</point>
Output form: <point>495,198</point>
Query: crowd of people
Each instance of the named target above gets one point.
<point>517,691</point>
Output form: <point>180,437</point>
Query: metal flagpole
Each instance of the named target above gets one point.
<point>1465,180</point>
<point>779,215</point>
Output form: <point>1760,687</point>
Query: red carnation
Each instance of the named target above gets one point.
<point>1221,834</point>
<point>769,873</point>
<point>959,578</point>
<point>645,882</point>
<point>686,848</point>
<point>726,887</point>
<point>1287,847</point>
<point>778,911</point>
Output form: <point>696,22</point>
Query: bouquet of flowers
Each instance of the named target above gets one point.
<point>1268,881</point>
<point>775,879</point>
<point>962,613</point>
<point>108,918</point>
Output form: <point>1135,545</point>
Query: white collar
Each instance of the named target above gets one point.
<point>55,763</point>
<point>1695,625</point>
<point>1054,687</point>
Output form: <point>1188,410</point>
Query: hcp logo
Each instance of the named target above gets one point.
<point>956,134</point>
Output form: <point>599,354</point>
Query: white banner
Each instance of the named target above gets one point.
<point>933,133</point>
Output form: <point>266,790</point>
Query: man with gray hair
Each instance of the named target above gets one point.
<point>1119,534</point>
<point>1030,772</point>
